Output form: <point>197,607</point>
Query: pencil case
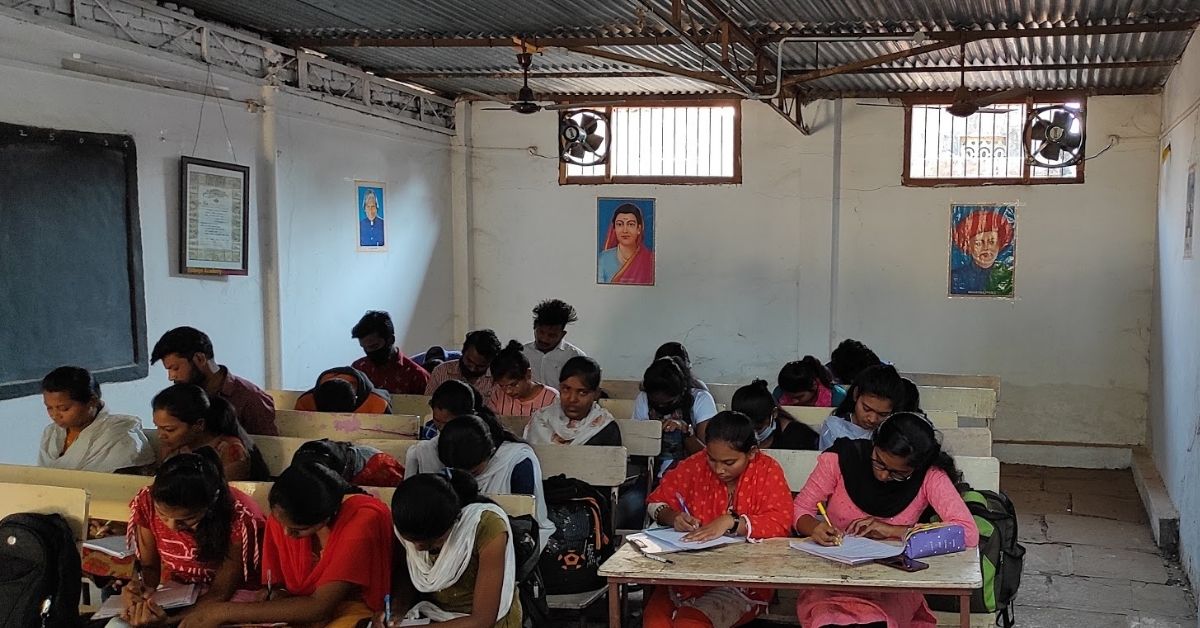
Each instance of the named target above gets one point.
<point>935,541</point>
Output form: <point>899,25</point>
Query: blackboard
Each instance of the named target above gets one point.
<point>70,257</point>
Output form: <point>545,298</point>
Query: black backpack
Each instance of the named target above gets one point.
<point>1001,557</point>
<point>582,539</point>
<point>531,590</point>
<point>39,572</point>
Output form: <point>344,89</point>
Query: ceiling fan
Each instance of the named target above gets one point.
<point>963,104</point>
<point>525,102</point>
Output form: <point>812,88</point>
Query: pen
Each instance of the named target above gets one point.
<point>641,550</point>
<point>821,509</point>
<point>682,504</point>
<point>387,608</point>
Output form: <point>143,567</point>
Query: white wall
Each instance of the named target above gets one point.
<point>1175,364</point>
<point>744,271</point>
<point>323,294</point>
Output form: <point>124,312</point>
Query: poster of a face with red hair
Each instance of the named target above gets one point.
<point>983,249</point>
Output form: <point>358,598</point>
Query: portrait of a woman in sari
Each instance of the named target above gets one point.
<point>625,257</point>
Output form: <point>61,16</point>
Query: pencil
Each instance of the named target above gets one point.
<point>821,509</point>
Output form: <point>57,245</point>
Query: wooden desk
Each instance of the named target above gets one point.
<point>772,564</point>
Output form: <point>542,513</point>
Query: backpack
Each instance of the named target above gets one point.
<point>582,539</point>
<point>1001,557</point>
<point>39,572</point>
<point>531,590</point>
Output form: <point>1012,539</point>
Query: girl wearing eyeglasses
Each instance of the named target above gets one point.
<point>878,488</point>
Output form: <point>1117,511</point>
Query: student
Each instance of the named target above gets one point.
<point>360,465</point>
<point>878,391</point>
<point>187,420</point>
<point>82,435</point>
<point>879,489</point>
<point>187,355</point>
<point>501,463</point>
<point>669,394</point>
<point>575,417</point>
<point>549,351</point>
<point>732,489</point>
<point>676,349</point>
<point>329,548</point>
<point>433,357</point>
<point>453,398</point>
<point>774,428</point>
<point>806,382</point>
<point>190,527</point>
<point>385,365</point>
<point>849,359</point>
<point>479,349</point>
<point>458,552</point>
<point>345,389</point>
<point>515,389</point>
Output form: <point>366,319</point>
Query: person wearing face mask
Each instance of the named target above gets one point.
<point>774,427</point>
<point>187,355</point>
<point>345,389</point>
<point>479,348</point>
<point>385,365</point>
<point>329,548</point>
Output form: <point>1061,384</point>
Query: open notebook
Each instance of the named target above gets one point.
<point>854,550</point>
<point>665,540</point>
<point>168,596</point>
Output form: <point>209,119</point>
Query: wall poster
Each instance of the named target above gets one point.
<point>983,250</point>
<point>625,241</point>
<point>369,212</point>
<point>214,228</point>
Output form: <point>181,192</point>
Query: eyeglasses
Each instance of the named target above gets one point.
<point>894,475</point>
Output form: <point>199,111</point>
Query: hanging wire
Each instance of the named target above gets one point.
<point>203,100</point>
<point>209,84</point>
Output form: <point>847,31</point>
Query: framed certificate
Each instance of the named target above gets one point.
<point>214,200</point>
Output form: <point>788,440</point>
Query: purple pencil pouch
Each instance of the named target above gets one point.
<point>935,541</point>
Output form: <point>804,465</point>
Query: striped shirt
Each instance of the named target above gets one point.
<point>504,405</point>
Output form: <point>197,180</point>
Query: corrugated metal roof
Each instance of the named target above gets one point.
<point>617,18</point>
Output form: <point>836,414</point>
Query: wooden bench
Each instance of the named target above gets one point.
<point>980,472</point>
<point>975,403</point>
<point>947,380</point>
<point>71,503</point>
<point>641,438</point>
<point>814,416</point>
<point>401,404</point>
<point>277,451</point>
<point>347,426</point>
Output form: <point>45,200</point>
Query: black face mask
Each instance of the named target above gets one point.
<point>380,355</point>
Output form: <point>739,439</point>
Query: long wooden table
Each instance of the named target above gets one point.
<point>772,564</point>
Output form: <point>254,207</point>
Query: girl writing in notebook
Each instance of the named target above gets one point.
<point>190,527</point>
<point>187,418</point>
<point>327,556</point>
<point>730,488</point>
<point>878,489</point>
<point>878,392</point>
<point>458,554</point>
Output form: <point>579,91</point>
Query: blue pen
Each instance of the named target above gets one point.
<point>682,504</point>
<point>387,608</point>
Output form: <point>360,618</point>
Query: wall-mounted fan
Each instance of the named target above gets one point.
<point>583,137</point>
<point>1055,136</point>
<point>525,102</point>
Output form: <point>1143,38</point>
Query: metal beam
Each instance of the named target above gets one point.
<point>664,68</point>
<point>866,63</point>
<point>365,41</point>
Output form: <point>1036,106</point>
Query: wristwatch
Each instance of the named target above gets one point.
<point>733,529</point>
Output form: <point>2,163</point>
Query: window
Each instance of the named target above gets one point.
<point>677,142</point>
<point>983,149</point>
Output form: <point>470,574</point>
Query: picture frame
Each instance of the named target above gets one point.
<point>982,257</point>
<point>625,241</point>
<point>214,222</point>
<point>370,199</point>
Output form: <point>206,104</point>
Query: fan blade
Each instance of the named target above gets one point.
<point>1062,118</point>
<point>590,123</point>
<point>594,142</point>
<point>879,104</point>
<point>993,110</point>
<point>487,96</point>
<point>577,150</point>
<point>496,109</point>
<point>1050,151</point>
<point>1071,141</point>
<point>1008,94</point>
<point>583,105</point>
<point>1038,132</point>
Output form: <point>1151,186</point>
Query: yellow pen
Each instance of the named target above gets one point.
<point>821,509</point>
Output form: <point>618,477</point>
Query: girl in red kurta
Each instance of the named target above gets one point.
<point>327,556</point>
<point>729,488</point>
<point>878,489</point>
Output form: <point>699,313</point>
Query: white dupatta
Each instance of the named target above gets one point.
<point>111,442</point>
<point>549,425</point>
<point>422,458</point>
<point>496,478</point>
<point>431,573</point>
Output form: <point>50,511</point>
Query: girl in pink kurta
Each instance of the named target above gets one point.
<point>878,489</point>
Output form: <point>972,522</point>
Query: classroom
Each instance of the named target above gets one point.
<point>753,181</point>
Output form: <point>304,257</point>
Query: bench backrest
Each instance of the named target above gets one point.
<point>513,505</point>
<point>109,493</point>
<point>815,415</point>
<point>598,466</point>
<point>346,426</point>
<point>71,503</point>
<point>277,451</point>
<point>980,472</point>
<point>641,438</point>
<point>979,403</point>
<point>947,380</point>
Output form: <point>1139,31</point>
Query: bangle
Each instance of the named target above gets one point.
<point>657,511</point>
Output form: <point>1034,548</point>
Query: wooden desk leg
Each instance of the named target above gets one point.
<point>964,610</point>
<point>614,604</point>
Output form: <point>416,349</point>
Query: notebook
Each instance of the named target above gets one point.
<point>115,546</point>
<point>854,550</point>
<point>665,540</point>
<point>168,596</point>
